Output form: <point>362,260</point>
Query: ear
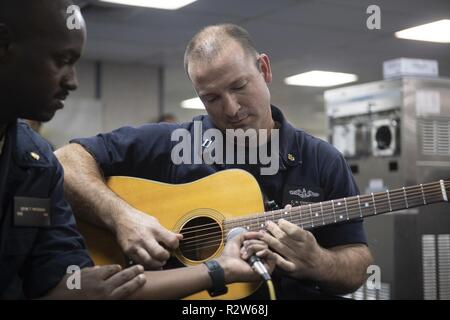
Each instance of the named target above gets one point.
<point>264,66</point>
<point>5,40</point>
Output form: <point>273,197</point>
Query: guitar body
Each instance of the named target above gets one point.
<point>209,201</point>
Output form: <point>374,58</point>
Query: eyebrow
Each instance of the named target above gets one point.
<point>75,53</point>
<point>71,52</point>
<point>204,95</point>
<point>240,79</point>
<point>232,84</point>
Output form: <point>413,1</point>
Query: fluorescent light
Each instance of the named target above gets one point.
<point>159,4</point>
<point>194,103</point>
<point>438,31</point>
<point>317,78</point>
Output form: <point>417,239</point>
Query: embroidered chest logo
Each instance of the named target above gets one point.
<point>303,193</point>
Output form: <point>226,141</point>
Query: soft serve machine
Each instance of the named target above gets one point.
<point>396,133</point>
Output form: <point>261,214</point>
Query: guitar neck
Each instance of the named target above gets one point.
<point>325,213</point>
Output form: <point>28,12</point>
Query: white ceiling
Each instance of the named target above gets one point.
<point>298,35</point>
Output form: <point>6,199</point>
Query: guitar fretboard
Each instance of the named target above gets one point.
<point>340,210</point>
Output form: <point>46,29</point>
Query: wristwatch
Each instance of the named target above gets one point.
<point>217,275</point>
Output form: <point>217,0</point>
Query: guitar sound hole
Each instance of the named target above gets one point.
<point>201,238</point>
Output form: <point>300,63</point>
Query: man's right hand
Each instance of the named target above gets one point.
<point>144,240</point>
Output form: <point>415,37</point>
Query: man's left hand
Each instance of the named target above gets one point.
<point>297,251</point>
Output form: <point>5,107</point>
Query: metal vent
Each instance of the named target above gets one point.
<point>429,266</point>
<point>436,269</point>
<point>434,136</point>
<point>444,266</point>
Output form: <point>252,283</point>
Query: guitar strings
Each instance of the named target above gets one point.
<point>309,217</point>
<point>394,198</point>
<point>341,207</point>
<point>378,194</point>
<point>217,242</point>
<point>214,241</point>
<point>218,238</point>
<point>306,217</point>
<point>200,245</point>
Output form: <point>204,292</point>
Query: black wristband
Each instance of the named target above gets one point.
<point>217,275</point>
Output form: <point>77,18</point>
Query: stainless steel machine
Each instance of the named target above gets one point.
<point>395,133</point>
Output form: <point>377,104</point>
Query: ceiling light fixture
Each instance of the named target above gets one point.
<point>438,31</point>
<point>159,4</point>
<point>194,103</point>
<point>318,78</point>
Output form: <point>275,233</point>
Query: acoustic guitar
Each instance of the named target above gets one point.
<point>204,211</point>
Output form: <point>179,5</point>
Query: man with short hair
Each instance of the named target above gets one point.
<point>231,78</point>
<point>38,238</point>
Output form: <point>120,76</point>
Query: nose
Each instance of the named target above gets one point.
<point>70,81</point>
<point>230,105</point>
